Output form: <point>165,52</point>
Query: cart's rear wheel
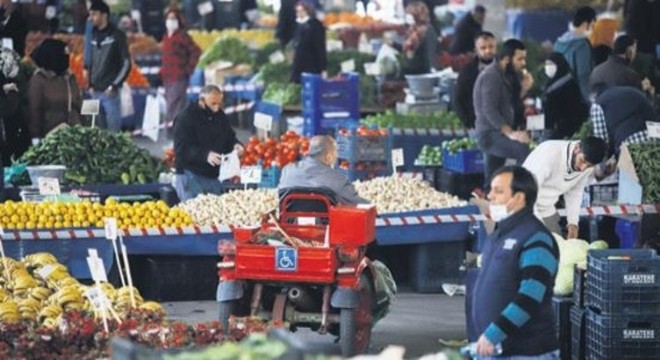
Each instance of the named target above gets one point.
<point>225,310</point>
<point>355,324</point>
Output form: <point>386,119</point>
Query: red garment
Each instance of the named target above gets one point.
<point>180,56</point>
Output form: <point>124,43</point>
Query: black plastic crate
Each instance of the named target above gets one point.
<point>620,337</point>
<point>579,285</point>
<point>459,184</point>
<point>434,264</point>
<point>623,281</point>
<point>561,305</point>
<point>176,278</point>
<point>578,333</point>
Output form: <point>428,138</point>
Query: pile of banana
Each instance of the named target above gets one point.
<point>40,289</point>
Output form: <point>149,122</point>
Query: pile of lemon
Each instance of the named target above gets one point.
<point>85,214</point>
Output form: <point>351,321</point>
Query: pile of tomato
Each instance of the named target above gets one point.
<point>269,152</point>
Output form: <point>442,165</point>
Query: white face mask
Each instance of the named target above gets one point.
<point>410,20</point>
<point>551,70</point>
<point>498,212</point>
<point>302,20</point>
<point>172,25</point>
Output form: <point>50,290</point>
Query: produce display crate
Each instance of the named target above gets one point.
<point>628,233</point>
<point>464,161</point>
<point>561,306</point>
<point>620,337</point>
<point>434,264</point>
<point>413,140</point>
<point>579,285</point>
<point>623,281</point>
<point>578,333</point>
<point>600,195</point>
<point>354,147</point>
<point>270,178</point>
<point>327,104</point>
<point>353,174</point>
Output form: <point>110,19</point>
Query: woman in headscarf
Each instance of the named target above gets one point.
<point>180,56</point>
<point>309,43</point>
<point>563,105</point>
<point>55,97</point>
<point>14,138</point>
<point>421,43</point>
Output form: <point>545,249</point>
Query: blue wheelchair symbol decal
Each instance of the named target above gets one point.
<point>286,259</point>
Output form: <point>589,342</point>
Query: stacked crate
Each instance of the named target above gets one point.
<point>622,298</point>
<point>327,104</point>
<point>361,156</point>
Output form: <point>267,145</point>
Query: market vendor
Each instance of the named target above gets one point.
<point>563,168</point>
<point>202,135</point>
<point>316,170</point>
<point>512,298</point>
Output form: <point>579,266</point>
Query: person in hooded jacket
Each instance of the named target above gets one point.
<point>565,109</point>
<point>310,54</point>
<point>54,94</point>
<point>576,48</point>
<point>14,138</point>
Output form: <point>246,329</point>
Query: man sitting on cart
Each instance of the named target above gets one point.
<point>317,170</point>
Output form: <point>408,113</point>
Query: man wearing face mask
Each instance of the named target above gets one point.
<point>576,48</point>
<point>485,44</point>
<point>563,168</point>
<point>109,63</point>
<point>316,170</point>
<point>13,27</point>
<point>493,107</point>
<point>511,303</point>
<point>180,56</point>
<point>202,135</point>
<point>616,71</point>
<point>309,43</point>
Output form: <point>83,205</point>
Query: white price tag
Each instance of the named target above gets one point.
<point>135,14</point>
<point>90,107</point>
<point>8,43</point>
<point>97,297</point>
<point>49,186</point>
<point>110,228</point>
<point>276,57</point>
<point>365,48</point>
<point>250,174</point>
<point>334,45</point>
<point>397,158</point>
<point>205,8</point>
<point>263,121</point>
<point>372,69</point>
<point>304,220</point>
<point>45,271</point>
<point>348,66</point>
<point>97,269</point>
<point>653,129</point>
<point>51,12</point>
<point>93,253</point>
<point>536,122</point>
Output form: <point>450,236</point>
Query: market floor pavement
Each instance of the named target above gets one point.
<point>416,322</point>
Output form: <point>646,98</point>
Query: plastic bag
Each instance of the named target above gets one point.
<point>126,101</point>
<point>151,120</point>
<point>385,290</point>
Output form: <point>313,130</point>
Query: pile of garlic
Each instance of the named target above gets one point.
<point>396,195</point>
<point>241,207</point>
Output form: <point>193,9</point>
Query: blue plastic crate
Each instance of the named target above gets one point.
<point>313,125</point>
<point>413,140</point>
<point>578,333</point>
<point>322,98</point>
<point>353,147</point>
<point>620,337</point>
<point>627,231</point>
<point>623,281</point>
<point>463,161</point>
<point>270,178</point>
<point>561,307</point>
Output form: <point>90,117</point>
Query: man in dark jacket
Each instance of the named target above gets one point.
<point>576,48</point>
<point>616,71</point>
<point>109,63</point>
<point>494,111</point>
<point>485,45</point>
<point>202,135</point>
<point>512,299</point>
<point>13,27</point>
<point>466,31</point>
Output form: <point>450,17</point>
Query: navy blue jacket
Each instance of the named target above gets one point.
<point>512,300</point>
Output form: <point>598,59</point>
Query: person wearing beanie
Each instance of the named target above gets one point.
<point>54,94</point>
<point>563,167</point>
<point>616,71</point>
<point>316,170</point>
<point>109,64</point>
